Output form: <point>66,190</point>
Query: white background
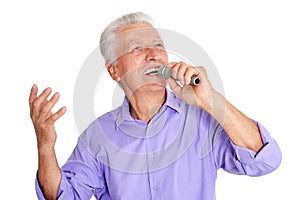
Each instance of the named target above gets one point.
<point>254,45</point>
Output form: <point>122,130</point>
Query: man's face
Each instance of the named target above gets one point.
<point>140,49</point>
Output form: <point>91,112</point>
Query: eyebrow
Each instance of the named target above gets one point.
<point>134,43</point>
<point>158,40</point>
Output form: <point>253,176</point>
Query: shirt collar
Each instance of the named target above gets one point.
<point>172,102</point>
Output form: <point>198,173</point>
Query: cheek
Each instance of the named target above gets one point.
<point>127,64</point>
<point>136,60</point>
<point>164,57</point>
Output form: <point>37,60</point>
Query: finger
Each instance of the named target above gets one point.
<point>46,109</point>
<point>56,115</point>
<point>32,96</point>
<point>175,68</point>
<point>181,72</point>
<point>188,75</point>
<point>40,101</point>
<point>174,86</point>
<point>171,64</point>
<point>201,72</point>
<point>33,93</point>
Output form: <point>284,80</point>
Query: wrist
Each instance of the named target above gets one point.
<point>46,150</point>
<point>215,105</point>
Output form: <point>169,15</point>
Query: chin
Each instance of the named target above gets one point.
<point>155,87</point>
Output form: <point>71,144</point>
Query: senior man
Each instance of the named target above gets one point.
<point>160,143</point>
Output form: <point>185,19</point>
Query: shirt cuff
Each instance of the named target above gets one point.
<point>269,153</point>
<point>39,192</point>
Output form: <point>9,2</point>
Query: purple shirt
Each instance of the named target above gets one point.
<point>175,156</point>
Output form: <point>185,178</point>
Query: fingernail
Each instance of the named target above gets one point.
<point>182,83</point>
<point>56,95</point>
<point>64,109</point>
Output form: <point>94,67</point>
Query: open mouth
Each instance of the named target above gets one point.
<point>151,71</point>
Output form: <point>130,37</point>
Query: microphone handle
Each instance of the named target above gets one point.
<point>166,72</point>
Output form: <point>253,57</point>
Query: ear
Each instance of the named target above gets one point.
<point>113,71</point>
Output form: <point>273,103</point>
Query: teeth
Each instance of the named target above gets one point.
<point>151,71</point>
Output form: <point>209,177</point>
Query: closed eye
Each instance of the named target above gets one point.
<point>159,46</point>
<point>137,48</point>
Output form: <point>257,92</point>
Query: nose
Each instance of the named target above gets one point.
<point>153,54</point>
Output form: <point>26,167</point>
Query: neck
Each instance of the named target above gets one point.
<point>144,105</point>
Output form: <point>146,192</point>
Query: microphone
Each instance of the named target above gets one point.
<point>165,72</point>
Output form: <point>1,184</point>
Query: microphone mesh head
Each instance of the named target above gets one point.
<point>165,72</point>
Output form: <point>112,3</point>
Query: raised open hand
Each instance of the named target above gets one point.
<point>42,117</point>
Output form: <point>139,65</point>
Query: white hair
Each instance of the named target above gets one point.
<point>108,40</point>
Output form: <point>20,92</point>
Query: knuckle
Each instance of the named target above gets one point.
<point>35,104</point>
<point>44,110</point>
<point>190,69</point>
<point>202,68</point>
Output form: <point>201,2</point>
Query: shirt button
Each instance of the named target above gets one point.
<point>151,155</point>
<point>155,188</point>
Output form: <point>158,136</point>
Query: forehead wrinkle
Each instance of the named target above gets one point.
<point>127,32</point>
<point>128,37</point>
<point>134,42</point>
<point>131,27</point>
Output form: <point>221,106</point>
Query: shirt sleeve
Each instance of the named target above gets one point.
<point>239,160</point>
<point>82,177</point>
